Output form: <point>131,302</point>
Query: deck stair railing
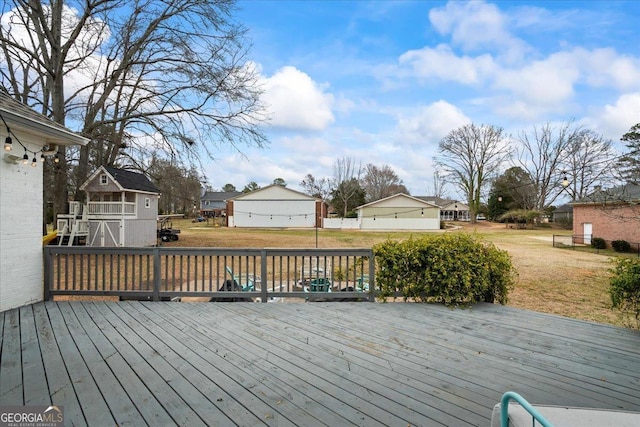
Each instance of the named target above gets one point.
<point>163,273</point>
<point>536,417</point>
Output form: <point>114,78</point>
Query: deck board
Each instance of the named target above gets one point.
<point>10,365</point>
<point>313,364</point>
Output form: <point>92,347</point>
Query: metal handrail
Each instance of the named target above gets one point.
<point>504,410</point>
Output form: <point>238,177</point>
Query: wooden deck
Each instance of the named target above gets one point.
<point>334,364</point>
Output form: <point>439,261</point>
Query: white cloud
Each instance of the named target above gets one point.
<point>542,82</point>
<point>477,25</point>
<point>607,68</point>
<point>297,102</point>
<point>615,120</point>
<point>442,63</point>
<point>429,124</point>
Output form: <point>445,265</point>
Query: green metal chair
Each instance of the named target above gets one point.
<point>246,282</point>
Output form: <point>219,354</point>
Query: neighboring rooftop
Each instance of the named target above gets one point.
<point>622,193</point>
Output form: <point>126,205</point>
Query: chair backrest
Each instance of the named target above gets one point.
<point>320,285</point>
<point>229,270</point>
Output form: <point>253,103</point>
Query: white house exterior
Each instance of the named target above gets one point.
<point>450,210</point>
<point>274,206</point>
<point>399,212</point>
<point>21,199</point>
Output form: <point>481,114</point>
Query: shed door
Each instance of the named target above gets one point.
<point>587,230</point>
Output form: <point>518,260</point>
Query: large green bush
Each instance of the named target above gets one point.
<point>598,243</point>
<point>624,287</point>
<point>621,246</point>
<point>452,268</point>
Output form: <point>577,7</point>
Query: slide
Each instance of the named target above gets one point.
<point>49,237</point>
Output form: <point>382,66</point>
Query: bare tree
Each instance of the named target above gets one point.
<point>180,186</point>
<point>542,153</point>
<point>588,162</point>
<point>471,155</point>
<point>320,188</point>
<point>346,181</point>
<point>438,185</point>
<point>382,182</point>
<point>136,77</point>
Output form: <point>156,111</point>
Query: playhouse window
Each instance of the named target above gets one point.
<point>147,202</point>
<point>103,179</point>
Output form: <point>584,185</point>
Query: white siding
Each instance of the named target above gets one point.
<point>21,228</point>
<point>274,213</point>
<point>140,232</point>
<point>341,223</point>
<point>400,224</point>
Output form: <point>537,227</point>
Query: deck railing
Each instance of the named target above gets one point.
<point>222,274</point>
<point>111,208</point>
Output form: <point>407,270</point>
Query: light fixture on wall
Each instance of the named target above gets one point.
<point>45,151</point>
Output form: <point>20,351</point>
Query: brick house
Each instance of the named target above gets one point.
<point>610,214</point>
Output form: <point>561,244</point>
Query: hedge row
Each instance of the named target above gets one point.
<point>452,269</point>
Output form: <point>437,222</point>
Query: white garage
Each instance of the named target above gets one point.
<point>399,212</point>
<point>275,206</point>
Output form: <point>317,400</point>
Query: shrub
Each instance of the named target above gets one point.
<point>621,246</point>
<point>453,269</point>
<point>624,287</point>
<point>598,243</point>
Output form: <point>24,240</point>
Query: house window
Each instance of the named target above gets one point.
<point>147,202</point>
<point>103,179</point>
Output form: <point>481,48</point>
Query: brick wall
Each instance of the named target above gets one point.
<point>610,223</point>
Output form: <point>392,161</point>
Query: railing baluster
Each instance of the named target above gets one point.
<point>151,272</point>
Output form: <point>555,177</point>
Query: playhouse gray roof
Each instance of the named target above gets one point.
<point>130,180</point>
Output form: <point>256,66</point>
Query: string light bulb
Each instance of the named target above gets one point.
<point>25,158</point>
<point>56,159</point>
<point>42,157</point>
<point>8,144</point>
<point>34,162</point>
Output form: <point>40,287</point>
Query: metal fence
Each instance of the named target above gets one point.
<point>221,274</point>
<point>582,240</point>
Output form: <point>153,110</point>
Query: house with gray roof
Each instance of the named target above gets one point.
<point>610,214</point>
<point>121,210</point>
<point>213,204</point>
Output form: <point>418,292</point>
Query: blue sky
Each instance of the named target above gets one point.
<point>383,81</point>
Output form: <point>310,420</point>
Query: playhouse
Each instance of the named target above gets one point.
<point>121,210</point>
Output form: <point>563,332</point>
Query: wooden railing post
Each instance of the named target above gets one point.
<point>372,277</point>
<point>48,273</point>
<point>156,274</point>
<point>263,276</point>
